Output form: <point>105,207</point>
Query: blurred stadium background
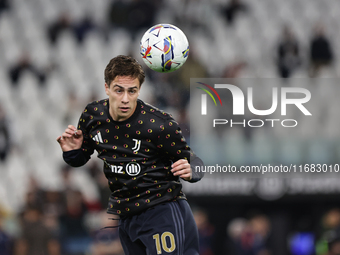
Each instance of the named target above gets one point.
<point>52,58</point>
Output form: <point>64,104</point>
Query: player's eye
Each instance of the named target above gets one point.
<point>133,91</point>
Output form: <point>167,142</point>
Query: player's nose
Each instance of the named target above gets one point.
<point>125,98</point>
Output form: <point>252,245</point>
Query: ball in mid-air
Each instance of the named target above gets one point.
<point>164,48</point>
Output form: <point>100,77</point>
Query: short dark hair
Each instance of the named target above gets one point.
<point>123,66</point>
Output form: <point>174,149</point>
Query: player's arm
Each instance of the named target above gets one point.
<point>71,142</point>
<point>74,143</point>
<point>71,139</point>
<point>184,169</point>
<point>172,142</point>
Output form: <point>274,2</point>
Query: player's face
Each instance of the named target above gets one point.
<point>123,93</point>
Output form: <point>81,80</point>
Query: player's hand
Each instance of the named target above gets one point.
<point>182,169</point>
<point>71,139</point>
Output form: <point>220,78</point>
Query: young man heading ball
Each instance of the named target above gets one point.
<point>144,155</point>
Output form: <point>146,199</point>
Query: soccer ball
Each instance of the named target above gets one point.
<point>164,48</point>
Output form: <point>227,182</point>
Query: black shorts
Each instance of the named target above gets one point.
<point>168,228</point>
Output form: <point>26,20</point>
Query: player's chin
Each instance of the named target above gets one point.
<point>123,114</point>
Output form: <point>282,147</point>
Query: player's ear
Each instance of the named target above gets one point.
<point>107,88</point>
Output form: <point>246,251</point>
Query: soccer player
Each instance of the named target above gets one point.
<point>144,155</point>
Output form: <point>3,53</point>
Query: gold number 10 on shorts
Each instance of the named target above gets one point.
<point>164,243</point>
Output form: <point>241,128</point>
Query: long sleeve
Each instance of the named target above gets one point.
<point>79,157</point>
<point>196,176</point>
<point>76,158</point>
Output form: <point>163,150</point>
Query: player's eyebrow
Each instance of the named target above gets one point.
<point>121,87</point>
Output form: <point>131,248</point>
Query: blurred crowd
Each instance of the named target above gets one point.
<point>289,52</point>
<point>61,222</point>
<point>136,16</point>
<point>328,239</point>
<point>250,236</point>
<point>64,222</point>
